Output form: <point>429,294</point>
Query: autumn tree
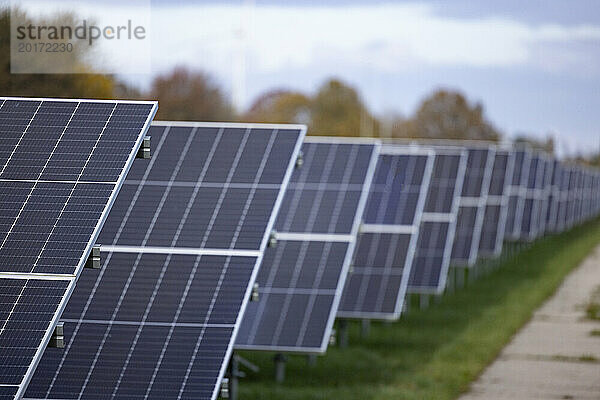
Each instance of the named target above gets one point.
<point>337,109</point>
<point>546,144</point>
<point>189,95</point>
<point>448,115</point>
<point>280,106</point>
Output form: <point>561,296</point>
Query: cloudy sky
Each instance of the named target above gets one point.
<point>534,64</point>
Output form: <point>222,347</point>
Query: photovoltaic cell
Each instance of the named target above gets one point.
<point>301,279</point>
<point>376,287</point>
<point>180,252</point>
<point>436,232</point>
<point>62,162</point>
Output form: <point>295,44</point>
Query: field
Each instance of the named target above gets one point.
<point>433,353</point>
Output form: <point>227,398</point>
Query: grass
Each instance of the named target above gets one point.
<point>433,353</point>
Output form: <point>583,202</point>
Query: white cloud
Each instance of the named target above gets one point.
<point>386,37</point>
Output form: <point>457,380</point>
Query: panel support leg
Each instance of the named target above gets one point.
<point>473,273</point>
<point>234,374</point>
<point>311,360</point>
<point>423,301</point>
<point>280,361</point>
<point>365,328</point>
<point>451,280</point>
<point>460,278</point>
<point>407,300</point>
<point>343,333</point>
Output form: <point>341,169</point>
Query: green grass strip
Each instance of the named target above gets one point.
<point>437,352</point>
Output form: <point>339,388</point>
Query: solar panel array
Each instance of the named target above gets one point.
<point>357,228</point>
<point>376,287</point>
<point>301,279</point>
<point>180,252</point>
<point>438,222</point>
<point>62,163</point>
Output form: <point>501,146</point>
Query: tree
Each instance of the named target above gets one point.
<point>337,109</point>
<point>188,95</point>
<point>546,145</point>
<point>280,106</point>
<point>86,85</point>
<point>448,115</point>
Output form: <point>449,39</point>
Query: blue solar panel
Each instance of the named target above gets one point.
<point>376,287</point>
<point>469,220</point>
<point>518,187</point>
<point>62,163</point>
<point>553,197</point>
<point>496,208</point>
<point>436,232</point>
<point>536,197</point>
<point>180,252</point>
<point>301,280</point>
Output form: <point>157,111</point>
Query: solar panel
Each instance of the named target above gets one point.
<point>62,163</point>
<point>553,197</point>
<point>180,252</point>
<point>376,286</point>
<point>517,190</point>
<point>436,232</point>
<point>563,198</point>
<point>469,220</point>
<point>496,207</point>
<point>545,194</point>
<point>573,194</point>
<point>302,278</point>
<point>536,196</point>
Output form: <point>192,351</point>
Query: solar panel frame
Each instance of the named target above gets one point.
<point>351,238</point>
<point>74,276</point>
<point>533,196</point>
<point>229,253</point>
<point>437,217</point>
<point>476,202</point>
<point>413,230</point>
<point>518,189</point>
<point>547,190</point>
<point>554,197</point>
<point>500,200</point>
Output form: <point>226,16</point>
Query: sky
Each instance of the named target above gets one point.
<point>535,65</point>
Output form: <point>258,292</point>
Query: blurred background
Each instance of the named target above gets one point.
<point>491,70</point>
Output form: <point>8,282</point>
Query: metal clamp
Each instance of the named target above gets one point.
<point>93,261</point>
<point>144,151</point>
<point>225,388</point>
<point>273,239</point>
<point>57,340</point>
<point>300,160</point>
<point>255,294</point>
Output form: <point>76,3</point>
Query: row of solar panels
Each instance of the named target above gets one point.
<point>344,228</point>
